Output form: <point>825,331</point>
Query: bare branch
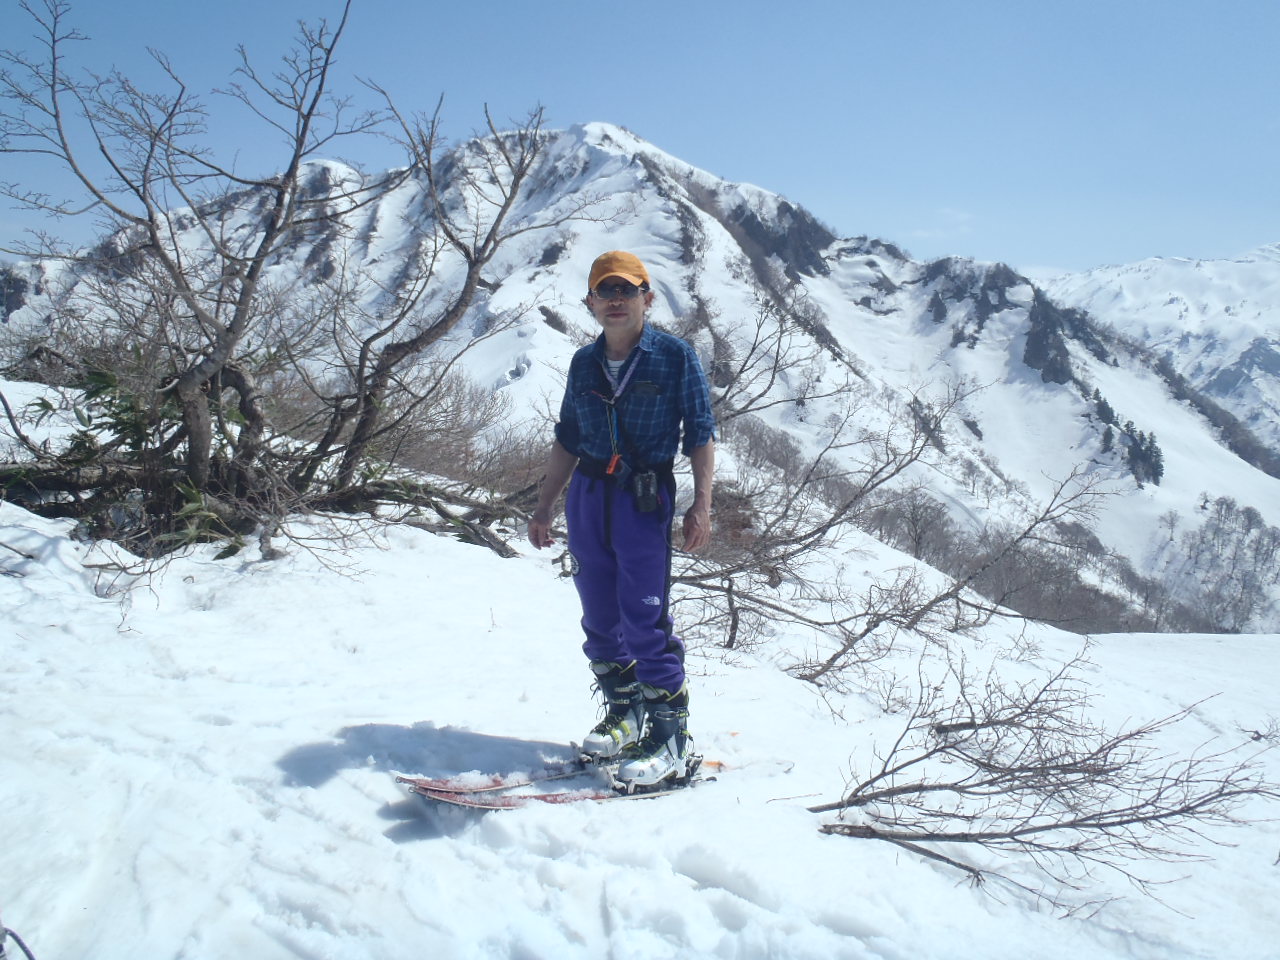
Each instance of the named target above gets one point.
<point>1019,768</point>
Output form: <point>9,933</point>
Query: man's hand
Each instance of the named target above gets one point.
<point>560,464</point>
<point>697,522</point>
<point>540,528</point>
<point>697,528</point>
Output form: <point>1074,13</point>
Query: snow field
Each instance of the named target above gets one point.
<point>212,776</point>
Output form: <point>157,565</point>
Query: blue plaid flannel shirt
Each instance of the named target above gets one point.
<point>667,388</point>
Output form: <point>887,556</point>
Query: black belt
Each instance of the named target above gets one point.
<point>598,469</point>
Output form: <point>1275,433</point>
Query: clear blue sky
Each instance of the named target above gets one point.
<point>1038,132</point>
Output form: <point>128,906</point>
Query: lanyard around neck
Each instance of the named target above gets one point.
<point>618,386</point>
<point>615,428</point>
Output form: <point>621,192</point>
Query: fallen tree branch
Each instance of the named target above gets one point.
<point>1020,769</point>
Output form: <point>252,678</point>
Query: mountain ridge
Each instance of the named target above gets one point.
<point>1062,390</point>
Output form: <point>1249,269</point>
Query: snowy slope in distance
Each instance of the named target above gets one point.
<point>1218,321</point>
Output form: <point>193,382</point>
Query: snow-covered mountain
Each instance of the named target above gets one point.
<point>1216,322</point>
<point>1046,388</point>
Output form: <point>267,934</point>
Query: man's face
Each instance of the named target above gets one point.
<point>614,310</point>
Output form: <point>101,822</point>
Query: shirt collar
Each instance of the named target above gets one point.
<point>647,337</point>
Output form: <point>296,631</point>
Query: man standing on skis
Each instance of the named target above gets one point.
<point>627,398</point>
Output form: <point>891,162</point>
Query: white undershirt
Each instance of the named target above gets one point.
<point>615,367</point>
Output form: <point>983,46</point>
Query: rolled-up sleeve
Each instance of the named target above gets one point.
<point>567,429</point>
<point>699,423</point>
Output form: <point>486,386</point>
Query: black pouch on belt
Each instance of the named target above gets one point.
<point>645,487</point>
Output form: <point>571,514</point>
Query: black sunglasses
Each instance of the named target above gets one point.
<point>611,291</point>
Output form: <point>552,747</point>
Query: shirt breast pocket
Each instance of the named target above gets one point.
<point>648,407</point>
<point>593,415</point>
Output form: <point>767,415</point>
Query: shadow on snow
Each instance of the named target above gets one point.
<point>424,750</point>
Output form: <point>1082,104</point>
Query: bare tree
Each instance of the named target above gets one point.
<point>786,513</point>
<point>1223,569</point>
<point>783,519</point>
<point>1268,732</point>
<point>768,363</point>
<point>957,604</point>
<point>183,340</point>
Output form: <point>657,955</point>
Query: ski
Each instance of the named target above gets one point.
<point>493,792</point>
<point>512,801</point>
<point>465,783</point>
<point>517,801</point>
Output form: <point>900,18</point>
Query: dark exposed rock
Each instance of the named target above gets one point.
<point>554,320</point>
<point>13,292</point>
<point>793,235</point>
<point>552,253</point>
<point>1049,326</point>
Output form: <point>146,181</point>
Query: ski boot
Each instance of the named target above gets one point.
<point>624,716</point>
<point>665,754</point>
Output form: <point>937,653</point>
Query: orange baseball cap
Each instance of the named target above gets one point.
<point>618,263</point>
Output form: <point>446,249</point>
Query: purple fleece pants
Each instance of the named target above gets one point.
<point>622,560</point>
